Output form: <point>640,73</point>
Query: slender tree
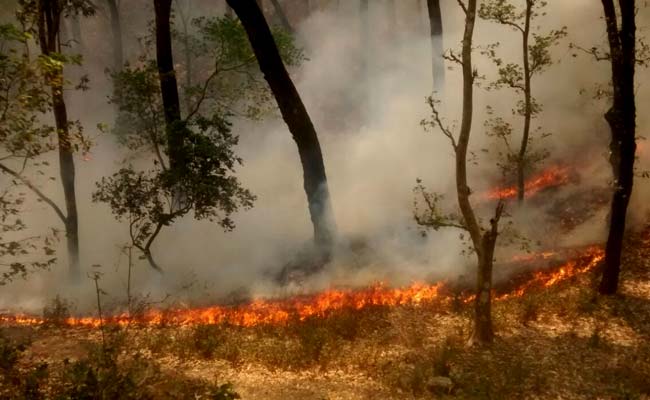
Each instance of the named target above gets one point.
<point>535,58</point>
<point>622,121</point>
<point>297,119</point>
<point>483,239</point>
<point>437,49</point>
<point>48,21</point>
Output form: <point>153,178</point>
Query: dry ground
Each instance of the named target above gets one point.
<point>558,343</point>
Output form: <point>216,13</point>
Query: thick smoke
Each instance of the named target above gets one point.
<point>373,155</point>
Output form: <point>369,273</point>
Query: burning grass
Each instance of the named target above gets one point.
<point>556,339</point>
<point>285,311</point>
<point>552,177</point>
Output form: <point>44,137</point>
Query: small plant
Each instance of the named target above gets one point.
<point>9,354</point>
<point>442,358</point>
<point>313,338</point>
<point>529,310</point>
<point>225,392</point>
<point>57,312</point>
<point>206,339</point>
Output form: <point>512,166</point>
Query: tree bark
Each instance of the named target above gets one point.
<point>622,121</point>
<point>528,107</point>
<point>297,119</point>
<point>49,21</point>
<point>279,12</point>
<point>169,85</point>
<point>437,49</point>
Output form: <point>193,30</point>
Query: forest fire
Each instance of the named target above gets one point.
<point>551,177</point>
<point>283,311</point>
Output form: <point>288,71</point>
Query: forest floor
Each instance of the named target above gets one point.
<point>561,342</point>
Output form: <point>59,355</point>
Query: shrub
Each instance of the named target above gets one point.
<point>57,312</point>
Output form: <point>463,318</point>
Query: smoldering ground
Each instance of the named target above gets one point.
<point>374,148</point>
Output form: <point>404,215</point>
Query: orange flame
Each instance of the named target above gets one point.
<point>283,311</point>
<point>552,177</point>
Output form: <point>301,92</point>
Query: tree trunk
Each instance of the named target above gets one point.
<point>116,30</point>
<point>483,244</point>
<point>483,331</point>
<point>49,21</point>
<point>169,85</point>
<point>528,107</point>
<point>297,119</point>
<point>279,12</point>
<point>622,121</point>
<point>437,49</point>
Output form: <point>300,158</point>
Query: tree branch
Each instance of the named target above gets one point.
<point>36,190</point>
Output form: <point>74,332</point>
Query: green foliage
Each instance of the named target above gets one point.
<point>517,76</point>
<point>225,392</point>
<point>23,138</point>
<point>203,183</point>
<point>9,354</point>
<point>102,376</point>
<point>16,382</point>
<point>221,52</point>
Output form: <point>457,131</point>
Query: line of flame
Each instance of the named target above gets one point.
<point>551,177</point>
<point>282,311</point>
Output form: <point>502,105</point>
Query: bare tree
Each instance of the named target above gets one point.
<point>297,119</point>
<point>622,121</point>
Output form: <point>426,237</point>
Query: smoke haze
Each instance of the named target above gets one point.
<point>373,155</point>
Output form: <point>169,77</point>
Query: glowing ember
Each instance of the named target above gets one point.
<point>283,311</point>
<point>552,177</point>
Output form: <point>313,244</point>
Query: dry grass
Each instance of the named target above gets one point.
<point>563,342</point>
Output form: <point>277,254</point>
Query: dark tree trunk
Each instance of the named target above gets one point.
<point>116,30</point>
<point>279,12</point>
<point>297,119</point>
<point>622,121</point>
<point>49,21</point>
<point>168,85</point>
<point>437,49</point>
